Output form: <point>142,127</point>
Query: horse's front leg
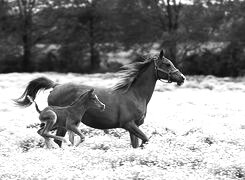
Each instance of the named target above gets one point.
<point>134,140</point>
<point>134,130</point>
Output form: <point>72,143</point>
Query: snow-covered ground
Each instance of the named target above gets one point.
<point>197,131</point>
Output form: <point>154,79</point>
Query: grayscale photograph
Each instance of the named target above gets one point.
<point>122,89</point>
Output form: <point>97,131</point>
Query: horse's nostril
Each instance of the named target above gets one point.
<point>103,107</point>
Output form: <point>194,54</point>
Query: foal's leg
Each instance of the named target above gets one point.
<point>134,130</point>
<point>47,141</point>
<point>50,119</point>
<point>73,127</point>
<point>71,137</point>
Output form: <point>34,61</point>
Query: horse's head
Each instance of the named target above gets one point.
<point>165,70</point>
<point>92,101</point>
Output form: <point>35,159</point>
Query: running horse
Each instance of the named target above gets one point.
<point>126,102</point>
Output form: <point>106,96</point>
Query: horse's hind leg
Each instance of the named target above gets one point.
<point>134,130</point>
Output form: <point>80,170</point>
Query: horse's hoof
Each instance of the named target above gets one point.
<point>143,145</point>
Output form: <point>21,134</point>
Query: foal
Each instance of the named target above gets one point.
<point>68,117</point>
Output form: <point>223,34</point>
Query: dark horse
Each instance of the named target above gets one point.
<point>126,103</point>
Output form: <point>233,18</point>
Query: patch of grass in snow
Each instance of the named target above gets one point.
<point>234,172</point>
<point>35,125</point>
<point>101,147</point>
<point>30,143</point>
<point>208,140</point>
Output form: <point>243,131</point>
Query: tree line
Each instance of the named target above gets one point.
<point>200,37</point>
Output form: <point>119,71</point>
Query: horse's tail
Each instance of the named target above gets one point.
<point>32,101</point>
<point>32,89</point>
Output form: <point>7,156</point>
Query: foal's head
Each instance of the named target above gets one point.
<point>90,100</point>
<point>166,70</point>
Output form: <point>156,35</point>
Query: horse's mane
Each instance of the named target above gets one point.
<point>131,72</point>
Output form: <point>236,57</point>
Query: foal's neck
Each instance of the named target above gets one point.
<point>145,83</point>
<point>78,109</point>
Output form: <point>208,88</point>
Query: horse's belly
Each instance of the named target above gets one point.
<point>99,120</point>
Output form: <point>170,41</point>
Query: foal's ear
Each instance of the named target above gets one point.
<point>91,91</point>
<point>161,54</point>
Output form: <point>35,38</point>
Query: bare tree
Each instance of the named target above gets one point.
<point>26,8</point>
<point>168,12</point>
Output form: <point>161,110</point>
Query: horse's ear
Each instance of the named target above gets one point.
<point>161,54</point>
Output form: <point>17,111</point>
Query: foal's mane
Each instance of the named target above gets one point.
<point>81,97</point>
<point>132,71</point>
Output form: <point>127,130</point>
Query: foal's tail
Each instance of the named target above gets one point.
<point>32,89</point>
<point>32,101</point>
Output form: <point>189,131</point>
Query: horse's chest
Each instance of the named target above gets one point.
<point>136,112</point>
<point>140,118</point>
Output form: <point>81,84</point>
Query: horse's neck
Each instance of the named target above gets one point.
<point>144,85</point>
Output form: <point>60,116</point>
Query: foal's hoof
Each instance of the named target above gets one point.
<point>78,144</point>
<point>65,141</point>
<point>51,145</point>
<point>81,140</point>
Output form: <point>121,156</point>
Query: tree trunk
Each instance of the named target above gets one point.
<point>173,17</point>
<point>94,56</point>
<point>26,32</point>
<point>172,52</point>
<point>27,52</point>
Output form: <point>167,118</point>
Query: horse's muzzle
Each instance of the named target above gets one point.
<point>102,108</point>
<point>181,81</point>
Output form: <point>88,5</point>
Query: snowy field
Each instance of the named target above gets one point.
<point>197,132</point>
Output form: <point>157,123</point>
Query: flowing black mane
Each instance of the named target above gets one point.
<point>131,71</point>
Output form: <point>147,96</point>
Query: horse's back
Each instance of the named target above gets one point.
<point>65,94</point>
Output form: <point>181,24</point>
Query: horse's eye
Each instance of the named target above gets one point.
<point>168,65</point>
